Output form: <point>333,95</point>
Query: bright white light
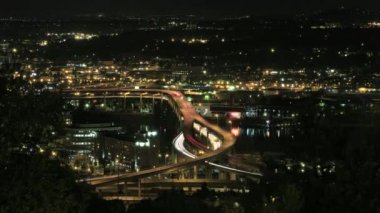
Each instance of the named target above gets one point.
<point>204,131</point>
<point>178,143</point>
<point>152,133</point>
<point>88,135</point>
<point>196,126</point>
<point>216,143</point>
<point>143,144</point>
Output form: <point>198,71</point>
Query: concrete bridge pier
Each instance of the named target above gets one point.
<point>125,103</point>
<point>222,175</point>
<point>232,176</point>
<point>208,172</point>
<point>181,174</point>
<point>125,188</point>
<point>195,172</point>
<point>139,187</point>
<point>141,104</point>
<point>153,104</point>
<point>105,99</point>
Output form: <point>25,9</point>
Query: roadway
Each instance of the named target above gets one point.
<point>188,116</point>
<point>179,145</point>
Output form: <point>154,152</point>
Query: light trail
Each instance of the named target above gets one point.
<point>178,144</point>
<point>188,115</point>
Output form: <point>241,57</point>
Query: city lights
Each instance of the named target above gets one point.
<point>208,107</point>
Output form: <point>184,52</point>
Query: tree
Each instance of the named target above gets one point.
<point>35,183</point>
<point>29,117</point>
<point>31,181</point>
<point>289,201</point>
<point>173,201</point>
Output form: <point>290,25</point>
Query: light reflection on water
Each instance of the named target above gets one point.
<point>256,139</point>
<point>265,132</point>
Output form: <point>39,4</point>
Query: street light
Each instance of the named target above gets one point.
<point>230,123</point>
<point>164,156</point>
<point>217,119</point>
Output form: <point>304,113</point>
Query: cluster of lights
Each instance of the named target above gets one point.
<point>374,24</point>
<point>75,35</point>
<point>43,43</point>
<point>92,134</point>
<point>215,142</point>
<point>143,144</point>
<point>191,41</point>
<point>152,133</point>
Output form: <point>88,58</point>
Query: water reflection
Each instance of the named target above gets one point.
<point>257,139</point>
<point>265,132</point>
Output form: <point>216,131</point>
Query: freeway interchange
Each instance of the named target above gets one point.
<point>188,116</point>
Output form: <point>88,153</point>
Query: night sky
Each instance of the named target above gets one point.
<point>161,7</point>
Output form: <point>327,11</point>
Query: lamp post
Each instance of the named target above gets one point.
<point>118,175</point>
<point>166,156</point>
<point>217,119</point>
<point>230,123</point>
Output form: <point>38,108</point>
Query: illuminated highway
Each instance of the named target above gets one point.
<point>179,145</point>
<point>188,115</point>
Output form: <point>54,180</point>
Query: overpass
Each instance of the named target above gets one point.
<point>187,114</point>
<point>149,188</point>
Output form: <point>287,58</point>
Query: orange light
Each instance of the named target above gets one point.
<point>235,131</point>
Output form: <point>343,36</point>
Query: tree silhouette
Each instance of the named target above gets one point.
<point>31,181</point>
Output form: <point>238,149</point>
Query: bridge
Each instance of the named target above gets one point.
<point>191,122</point>
<point>148,188</point>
